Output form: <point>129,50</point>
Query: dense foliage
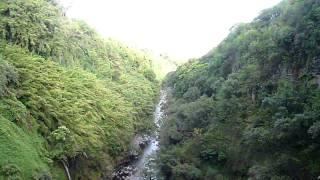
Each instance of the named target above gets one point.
<point>250,108</point>
<point>67,96</point>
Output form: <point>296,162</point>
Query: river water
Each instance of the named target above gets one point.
<point>153,146</point>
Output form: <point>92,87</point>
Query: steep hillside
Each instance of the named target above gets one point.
<point>163,65</point>
<point>67,96</point>
<point>249,109</point>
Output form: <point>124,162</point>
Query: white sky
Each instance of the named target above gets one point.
<point>180,28</point>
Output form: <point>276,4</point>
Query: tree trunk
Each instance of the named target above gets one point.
<point>66,169</point>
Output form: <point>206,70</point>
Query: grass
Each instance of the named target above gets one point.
<point>20,153</point>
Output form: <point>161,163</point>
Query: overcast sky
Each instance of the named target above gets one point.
<point>180,28</point>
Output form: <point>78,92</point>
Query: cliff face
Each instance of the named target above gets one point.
<point>250,107</point>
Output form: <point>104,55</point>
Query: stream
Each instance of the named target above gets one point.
<point>138,169</point>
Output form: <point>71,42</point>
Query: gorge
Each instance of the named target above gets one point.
<point>74,105</point>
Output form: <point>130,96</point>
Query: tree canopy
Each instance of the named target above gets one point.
<point>249,109</point>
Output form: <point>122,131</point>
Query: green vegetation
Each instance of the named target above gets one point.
<point>164,65</point>
<point>249,109</point>
<point>67,95</point>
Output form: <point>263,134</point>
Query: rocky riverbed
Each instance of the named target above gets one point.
<point>143,150</point>
<point>127,167</point>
